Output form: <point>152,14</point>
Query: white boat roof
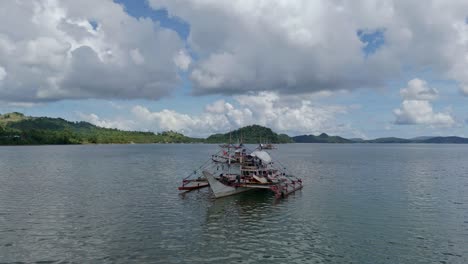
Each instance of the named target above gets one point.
<point>263,155</point>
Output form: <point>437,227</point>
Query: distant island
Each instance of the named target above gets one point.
<point>324,138</point>
<point>18,129</point>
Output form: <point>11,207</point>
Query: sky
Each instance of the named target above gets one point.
<point>360,68</point>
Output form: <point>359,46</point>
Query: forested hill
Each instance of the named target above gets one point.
<point>253,134</point>
<point>322,138</point>
<point>17,129</point>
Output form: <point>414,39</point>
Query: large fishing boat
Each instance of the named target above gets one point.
<point>235,169</point>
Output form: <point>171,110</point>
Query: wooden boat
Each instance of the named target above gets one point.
<point>256,171</point>
<point>235,170</point>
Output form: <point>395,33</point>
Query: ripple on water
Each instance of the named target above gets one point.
<point>118,204</point>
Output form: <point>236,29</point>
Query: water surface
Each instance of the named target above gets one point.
<point>362,203</point>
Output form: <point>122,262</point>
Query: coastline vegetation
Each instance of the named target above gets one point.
<point>18,129</point>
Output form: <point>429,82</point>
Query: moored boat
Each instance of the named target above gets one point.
<point>235,169</point>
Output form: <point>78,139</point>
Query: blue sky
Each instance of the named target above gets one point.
<point>371,77</point>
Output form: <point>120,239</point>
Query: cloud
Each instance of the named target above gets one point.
<point>292,114</point>
<point>3,73</point>
<point>182,60</point>
<point>136,56</point>
<point>302,46</point>
<point>20,105</point>
<point>196,125</point>
<point>118,123</point>
<point>416,108</point>
<point>266,108</point>
<point>464,89</point>
<point>53,50</point>
<point>418,90</point>
<point>421,112</point>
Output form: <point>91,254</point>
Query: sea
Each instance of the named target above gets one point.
<point>361,203</point>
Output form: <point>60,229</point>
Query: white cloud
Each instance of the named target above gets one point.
<point>3,73</point>
<point>302,46</point>
<point>21,104</point>
<point>418,90</point>
<point>137,57</point>
<point>293,115</point>
<point>464,89</point>
<point>416,108</point>
<point>182,60</point>
<point>118,123</point>
<point>195,125</point>
<point>51,51</point>
<point>421,112</point>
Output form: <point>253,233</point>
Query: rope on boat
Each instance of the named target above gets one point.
<point>286,170</point>
<point>203,165</point>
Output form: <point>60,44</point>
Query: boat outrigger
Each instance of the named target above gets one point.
<point>192,184</point>
<point>235,169</point>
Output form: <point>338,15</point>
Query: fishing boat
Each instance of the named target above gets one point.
<point>267,146</point>
<point>236,170</point>
<point>255,170</point>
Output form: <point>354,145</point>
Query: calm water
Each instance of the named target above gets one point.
<point>119,204</point>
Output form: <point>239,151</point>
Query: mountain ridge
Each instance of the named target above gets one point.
<point>252,134</point>
<point>18,129</point>
<point>322,138</point>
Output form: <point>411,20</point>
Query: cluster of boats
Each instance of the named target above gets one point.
<point>235,169</point>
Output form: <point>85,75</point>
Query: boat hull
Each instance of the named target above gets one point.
<point>222,190</point>
<point>284,189</point>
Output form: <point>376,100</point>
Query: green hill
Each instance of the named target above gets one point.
<point>390,140</point>
<point>425,139</point>
<point>17,129</point>
<point>446,140</point>
<point>253,134</point>
<point>322,138</point>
